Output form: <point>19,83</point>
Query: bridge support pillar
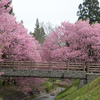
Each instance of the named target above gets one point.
<point>92,76</point>
<point>81,83</point>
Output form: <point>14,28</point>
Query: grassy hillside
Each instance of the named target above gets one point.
<point>90,91</point>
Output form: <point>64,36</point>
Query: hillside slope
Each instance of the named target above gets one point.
<point>90,91</point>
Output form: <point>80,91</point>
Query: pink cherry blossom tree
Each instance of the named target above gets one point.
<point>17,45</point>
<point>77,42</point>
<point>3,10</point>
<point>2,6</point>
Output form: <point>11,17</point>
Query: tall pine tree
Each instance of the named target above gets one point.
<point>89,10</point>
<point>39,33</point>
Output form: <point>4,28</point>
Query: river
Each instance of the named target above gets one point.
<point>49,96</point>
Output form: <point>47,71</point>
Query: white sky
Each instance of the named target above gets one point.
<point>53,11</point>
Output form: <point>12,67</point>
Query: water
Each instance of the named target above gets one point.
<point>49,96</point>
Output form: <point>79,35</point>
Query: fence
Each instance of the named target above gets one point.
<point>89,67</point>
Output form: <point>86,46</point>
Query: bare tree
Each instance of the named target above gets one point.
<point>48,27</point>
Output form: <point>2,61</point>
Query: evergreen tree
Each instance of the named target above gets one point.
<point>39,33</point>
<point>89,10</point>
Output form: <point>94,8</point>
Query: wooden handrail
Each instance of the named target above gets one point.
<point>51,65</point>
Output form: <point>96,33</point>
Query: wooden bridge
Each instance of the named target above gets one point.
<point>84,72</point>
<point>66,66</point>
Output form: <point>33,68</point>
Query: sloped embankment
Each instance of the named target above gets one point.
<point>10,93</point>
<point>90,91</point>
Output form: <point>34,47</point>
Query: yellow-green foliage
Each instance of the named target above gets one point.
<point>48,86</point>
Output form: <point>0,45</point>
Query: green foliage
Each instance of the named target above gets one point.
<point>11,12</point>
<point>39,33</point>
<point>90,91</point>
<point>48,86</point>
<point>68,91</point>
<point>89,10</point>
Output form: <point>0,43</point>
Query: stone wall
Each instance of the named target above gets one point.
<point>89,78</point>
<point>75,74</point>
<point>43,73</point>
<point>84,78</point>
<point>92,76</point>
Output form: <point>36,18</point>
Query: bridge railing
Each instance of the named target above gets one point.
<point>89,67</point>
<point>42,65</point>
<point>93,67</point>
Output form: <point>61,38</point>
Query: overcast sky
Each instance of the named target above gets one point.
<point>53,11</point>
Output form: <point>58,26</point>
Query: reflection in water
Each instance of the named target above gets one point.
<point>49,96</point>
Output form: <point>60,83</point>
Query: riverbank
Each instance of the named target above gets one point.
<point>90,91</point>
<point>57,87</point>
<point>49,96</point>
<point>9,91</point>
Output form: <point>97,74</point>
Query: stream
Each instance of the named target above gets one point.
<point>49,96</point>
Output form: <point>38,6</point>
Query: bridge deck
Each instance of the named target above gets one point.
<point>43,73</point>
<point>47,69</point>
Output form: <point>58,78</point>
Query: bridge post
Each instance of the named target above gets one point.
<point>1,65</point>
<point>88,65</point>
<point>34,65</point>
<point>67,66</point>
<point>50,66</point>
<point>81,83</point>
<point>13,65</point>
<point>84,66</point>
<point>31,65</point>
<point>17,64</point>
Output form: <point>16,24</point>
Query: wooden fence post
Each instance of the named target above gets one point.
<point>67,66</point>
<point>83,66</point>
<point>88,65</point>
<point>17,64</point>
<point>50,65</point>
<point>6,64</point>
<point>31,65</point>
<point>13,65</point>
<point>34,65</point>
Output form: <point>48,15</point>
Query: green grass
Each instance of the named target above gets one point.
<point>57,82</point>
<point>49,86</point>
<point>90,91</point>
